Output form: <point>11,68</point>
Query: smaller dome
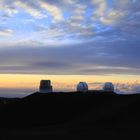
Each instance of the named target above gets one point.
<point>108,86</point>
<point>82,87</point>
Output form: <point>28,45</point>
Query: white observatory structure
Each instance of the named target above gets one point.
<point>82,87</point>
<point>45,86</point>
<point>108,86</point>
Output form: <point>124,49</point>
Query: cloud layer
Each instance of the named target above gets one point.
<point>83,58</point>
<point>70,37</point>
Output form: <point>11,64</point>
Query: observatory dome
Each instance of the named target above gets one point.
<point>45,86</point>
<point>82,86</point>
<point>108,86</point>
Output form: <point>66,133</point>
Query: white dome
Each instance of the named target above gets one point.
<point>82,86</point>
<point>108,86</point>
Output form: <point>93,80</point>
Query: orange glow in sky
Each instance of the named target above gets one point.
<point>59,81</point>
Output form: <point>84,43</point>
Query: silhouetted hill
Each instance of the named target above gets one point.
<point>95,113</point>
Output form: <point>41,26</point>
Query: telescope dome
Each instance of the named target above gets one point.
<point>108,86</point>
<point>82,87</point>
<point>45,86</point>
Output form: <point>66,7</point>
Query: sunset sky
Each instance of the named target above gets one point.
<point>68,41</point>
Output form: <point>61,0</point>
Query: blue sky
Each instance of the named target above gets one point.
<point>95,37</point>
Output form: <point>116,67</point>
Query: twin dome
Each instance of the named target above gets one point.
<point>108,86</point>
<point>83,87</point>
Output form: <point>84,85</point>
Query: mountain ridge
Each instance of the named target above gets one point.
<point>73,112</point>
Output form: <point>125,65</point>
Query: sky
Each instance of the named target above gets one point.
<point>69,41</point>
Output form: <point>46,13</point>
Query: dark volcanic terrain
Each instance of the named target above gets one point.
<point>94,114</point>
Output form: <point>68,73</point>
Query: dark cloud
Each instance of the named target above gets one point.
<point>84,58</point>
